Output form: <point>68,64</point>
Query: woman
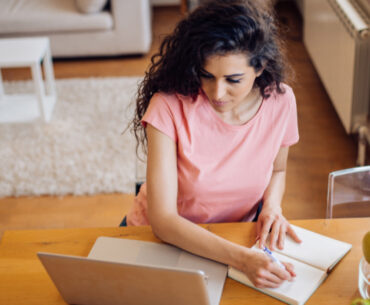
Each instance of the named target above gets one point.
<point>218,123</point>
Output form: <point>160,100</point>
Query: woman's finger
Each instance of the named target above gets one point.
<point>264,283</point>
<point>290,268</point>
<point>274,234</point>
<point>293,234</point>
<point>265,231</point>
<point>282,235</point>
<point>280,272</point>
<point>271,277</point>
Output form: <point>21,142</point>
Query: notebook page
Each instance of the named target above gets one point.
<point>317,250</point>
<point>308,279</point>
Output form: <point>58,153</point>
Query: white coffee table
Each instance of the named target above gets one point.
<point>28,52</point>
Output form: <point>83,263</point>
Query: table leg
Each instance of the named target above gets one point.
<point>39,88</point>
<point>49,73</point>
<point>1,86</point>
<point>363,142</point>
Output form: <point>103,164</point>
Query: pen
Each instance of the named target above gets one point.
<point>272,257</point>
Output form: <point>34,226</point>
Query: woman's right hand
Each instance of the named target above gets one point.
<point>264,273</point>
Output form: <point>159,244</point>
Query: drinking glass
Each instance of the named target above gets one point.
<point>364,279</point>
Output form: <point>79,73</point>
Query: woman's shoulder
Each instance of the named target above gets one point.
<point>162,101</point>
<point>281,101</point>
<point>283,97</point>
<point>287,90</point>
<point>171,99</point>
<point>163,97</point>
<point>174,101</point>
<point>283,92</point>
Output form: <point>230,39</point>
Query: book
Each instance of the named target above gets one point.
<point>313,259</point>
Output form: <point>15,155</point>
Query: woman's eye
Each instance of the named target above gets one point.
<point>233,81</point>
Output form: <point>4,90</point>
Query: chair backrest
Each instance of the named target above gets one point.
<point>349,193</point>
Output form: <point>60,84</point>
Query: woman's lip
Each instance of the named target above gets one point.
<point>219,103</point>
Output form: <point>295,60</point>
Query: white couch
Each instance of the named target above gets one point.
<point>123,27</point>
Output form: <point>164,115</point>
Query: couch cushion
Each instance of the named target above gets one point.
<point>29,16</point>
<point>90,6</point>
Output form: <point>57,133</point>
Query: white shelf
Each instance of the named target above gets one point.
<point>21,108</point>
<point>28,52</point>
<point>20,52</point>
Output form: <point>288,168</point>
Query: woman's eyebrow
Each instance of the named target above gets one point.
<point>204,71</point>
<point>233,75</point>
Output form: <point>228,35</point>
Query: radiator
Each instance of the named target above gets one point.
<point>337,38</point>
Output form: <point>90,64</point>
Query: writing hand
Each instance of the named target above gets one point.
<point>264,273</point>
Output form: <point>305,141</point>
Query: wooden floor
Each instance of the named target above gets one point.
<point>323,147</point>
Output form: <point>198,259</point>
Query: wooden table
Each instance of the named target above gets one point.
<point>23,280</point>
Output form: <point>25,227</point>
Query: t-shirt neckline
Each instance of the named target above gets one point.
<point>228,125</point>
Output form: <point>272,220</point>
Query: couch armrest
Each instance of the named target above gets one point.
<point>133,20</point>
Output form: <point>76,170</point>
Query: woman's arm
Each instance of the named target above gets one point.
<point>271,217</point>
<point>169,226</point>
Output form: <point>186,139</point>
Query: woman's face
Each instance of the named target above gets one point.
<point>227,80</point>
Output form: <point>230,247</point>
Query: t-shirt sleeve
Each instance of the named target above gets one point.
<point>160,116</point>
<point>291,135</point>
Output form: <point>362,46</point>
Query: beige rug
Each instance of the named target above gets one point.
<point>81,150</point>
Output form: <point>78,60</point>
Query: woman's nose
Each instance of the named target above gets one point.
<point>219,91</point>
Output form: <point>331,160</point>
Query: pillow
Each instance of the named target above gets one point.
<point>90,6</point>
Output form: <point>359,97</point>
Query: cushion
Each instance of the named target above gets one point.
<point>49,16</point>
<point>90,6</point>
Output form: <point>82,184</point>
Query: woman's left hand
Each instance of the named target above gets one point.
<point>271,219</point>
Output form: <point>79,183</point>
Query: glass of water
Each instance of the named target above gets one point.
<point>364,279</point>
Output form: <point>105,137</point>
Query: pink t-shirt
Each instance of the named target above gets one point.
<point>223,169</point>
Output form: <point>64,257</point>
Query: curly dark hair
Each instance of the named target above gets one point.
<point>217,27</point>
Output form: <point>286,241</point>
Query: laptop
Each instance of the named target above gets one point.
<point>122,271</point>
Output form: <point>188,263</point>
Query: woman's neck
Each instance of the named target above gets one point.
<point>245,111</point>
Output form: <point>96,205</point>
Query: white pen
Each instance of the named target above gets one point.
<point>272,257</point>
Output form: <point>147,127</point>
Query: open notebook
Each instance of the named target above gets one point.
<point>312,260</point>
